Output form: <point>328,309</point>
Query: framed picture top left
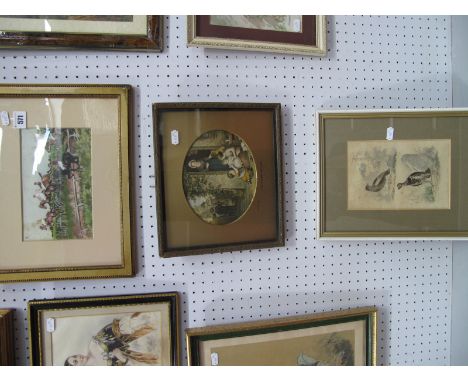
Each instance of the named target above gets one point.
<point>113,32</point>
<point>65,175</point>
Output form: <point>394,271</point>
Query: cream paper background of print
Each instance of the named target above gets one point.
<point>283,348</point>
<point>368,159</point>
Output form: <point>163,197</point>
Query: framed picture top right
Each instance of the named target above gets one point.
<point>393,174</point>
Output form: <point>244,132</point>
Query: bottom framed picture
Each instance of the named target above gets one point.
<point>105,331</point>
<point>342,338</point>
<point>7,347</point>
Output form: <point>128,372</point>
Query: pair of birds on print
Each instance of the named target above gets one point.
<point>414,179</point>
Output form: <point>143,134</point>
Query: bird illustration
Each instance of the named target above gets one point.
<point>416,178</point>
<point>379,182</point>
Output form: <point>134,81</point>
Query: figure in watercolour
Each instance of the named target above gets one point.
<point>126,339</point>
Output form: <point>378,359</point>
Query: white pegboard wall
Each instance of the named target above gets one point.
<point>372,62</point>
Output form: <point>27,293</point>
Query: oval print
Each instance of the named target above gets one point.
<point>219,177</point>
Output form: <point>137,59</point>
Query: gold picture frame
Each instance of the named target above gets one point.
<point>108,32</point>
<point>345,337</point>
<point>310,38</point>
<point>205,202</point>
<point>392,174</point>
<point>7,346</point>
<point>65,176</point>
<point>126,330</point>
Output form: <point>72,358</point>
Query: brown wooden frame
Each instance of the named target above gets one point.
<point>7,347</point>
<point>153,41</point>
<point>279,240</point>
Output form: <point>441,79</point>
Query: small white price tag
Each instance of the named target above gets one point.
<point>19,119</point>
<point>175,137</point>
<point>390,133</point>
<point>297,25</point>
<point>50,325</point>
<point>214,359</point>
<point>5,118</point>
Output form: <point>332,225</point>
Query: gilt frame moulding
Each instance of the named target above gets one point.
<point>308,335</point>
<point>56,222</point>
<point>252,44</point>
<point>436,127</point>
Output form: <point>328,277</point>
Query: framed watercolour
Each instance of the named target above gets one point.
<point>218,177</point>
<point>65,182</point>
<point>279,33</point>
<point>121,32</point>
<point>7,347</point>
<point>342,338</point>
<point>139,330</point>
<point>393,174</point>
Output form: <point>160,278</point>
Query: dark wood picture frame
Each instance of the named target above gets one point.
<point>196,337</point>
<point>272,174</point>
<point>7,346</point>
<point>37,309</point>
<point>152,41</point>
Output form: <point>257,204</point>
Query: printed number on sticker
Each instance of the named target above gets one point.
<point>19,119</point>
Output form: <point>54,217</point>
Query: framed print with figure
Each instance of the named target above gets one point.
<point>293,34</point>
<point>218,177</point>
<point>65,182</point>
<point>120,32</point>
<point>133,330</point>
<point>7,346</point>
<point>393,174</point>
<point>342,338</point>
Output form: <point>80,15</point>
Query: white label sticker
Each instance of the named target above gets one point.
<point>297,25</point>
<point>50,325</point>
<point>214,359</point>
<point>174,137</point>
<point>390,133</point>
<point>5,118</point>
<point>19,118</point>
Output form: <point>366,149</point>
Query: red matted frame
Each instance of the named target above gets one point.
<point>311,40</point>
